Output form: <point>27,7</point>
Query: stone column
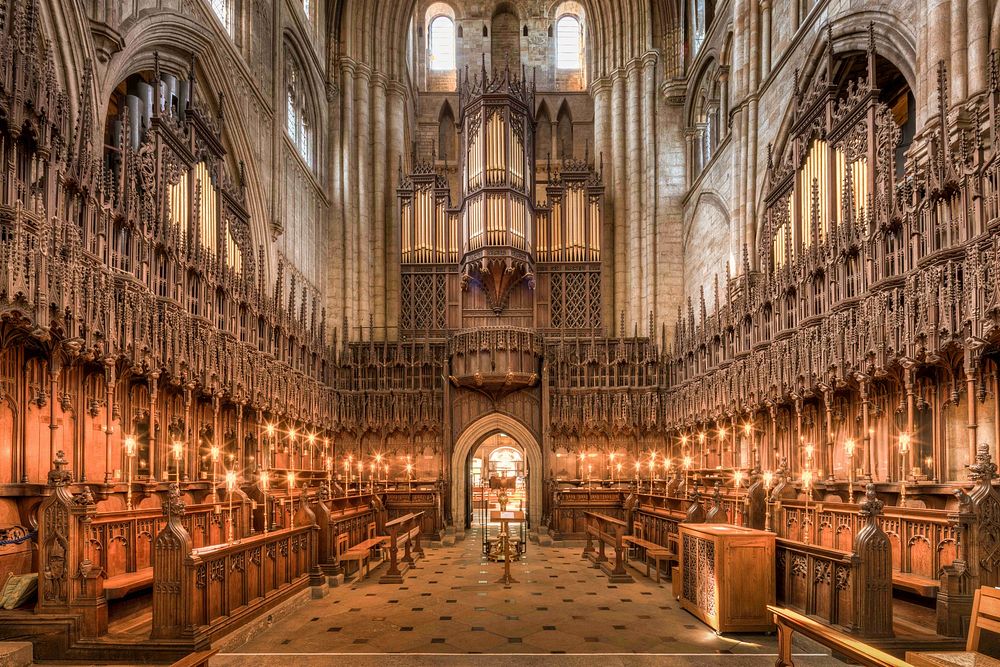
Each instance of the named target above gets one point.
<point>396,153</point>
<point>649,183</point>
<point>362,95</point>
<point>350,202</point>
<point>380,265</point>
<point>765,39</point>
<point>938,49</point>
<point>633,142</point>
<point>618,199</point>
<point>601,90</point>
<point>977,43</point>
<point>958,72</point>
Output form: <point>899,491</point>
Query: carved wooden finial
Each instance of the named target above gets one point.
<point>60,474</point>
<point>983,470</point>
<point>174,506</point>
<point>872,507</point>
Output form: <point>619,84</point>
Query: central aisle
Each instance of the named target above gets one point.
<point>449,604</point>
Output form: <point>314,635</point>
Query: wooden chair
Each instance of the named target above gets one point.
<point>985,616</point>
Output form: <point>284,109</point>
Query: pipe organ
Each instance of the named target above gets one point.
<point>498,257</point>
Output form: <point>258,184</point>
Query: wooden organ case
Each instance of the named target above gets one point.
<point>496,271</point>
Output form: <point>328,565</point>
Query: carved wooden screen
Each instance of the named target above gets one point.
<point>424,301</point>
<point>576,299</point>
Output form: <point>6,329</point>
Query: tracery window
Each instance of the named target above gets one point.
<point>441,44</point>
<point>225,12</point>
<point>298,123</point>
<point>569,43</point>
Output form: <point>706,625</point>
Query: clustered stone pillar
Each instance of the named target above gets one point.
<point>371,141</point>
<point>625,134</point>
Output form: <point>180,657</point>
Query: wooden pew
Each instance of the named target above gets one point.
<point>789,622</point>
<point>362,553</point>
<point>402,531</point>
<point>202,594</point>
<point>122,541</point>
<point>343,522</point>
<point>608,531</point>
<point>985,616</point>
<point>651,551</point>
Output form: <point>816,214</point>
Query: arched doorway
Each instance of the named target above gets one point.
<point>461,465</point>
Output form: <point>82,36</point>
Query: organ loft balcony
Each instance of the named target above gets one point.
<point>496,211</point>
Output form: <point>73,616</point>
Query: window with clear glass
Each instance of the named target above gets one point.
<point>569,42</point>
<point>297,124</point>
<point>442,44</point>
<point>224,11</point>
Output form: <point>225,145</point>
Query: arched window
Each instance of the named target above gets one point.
<point>298,121</point>
<point>225,11</point>
<point>441,44</point>
<point>569,43</point>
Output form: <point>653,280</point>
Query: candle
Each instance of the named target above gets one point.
<point>129,453</point>
<point>178,449</point>
<point>265,483</point>
<point>230,487</point>
<point>214,452</point>
<point>291,495</point>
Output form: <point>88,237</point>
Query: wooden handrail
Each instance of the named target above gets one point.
<point>789,621</point>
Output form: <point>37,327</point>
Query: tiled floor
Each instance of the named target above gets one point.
<point>449,604</point>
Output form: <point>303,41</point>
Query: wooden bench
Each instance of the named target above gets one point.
<point>607,530</point>
<point>789,622</point>
<point>653,552</point>
<point>403,531</point>
<point>985,616</point>
<point>120,585</point>
<point>914,583</point>
<point>361,554</point>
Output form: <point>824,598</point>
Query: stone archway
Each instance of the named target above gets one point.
<point>470,438</point>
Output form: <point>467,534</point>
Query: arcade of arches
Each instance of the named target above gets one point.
<point>332,329</point>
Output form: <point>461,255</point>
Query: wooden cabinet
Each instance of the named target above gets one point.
<point>727,576</point>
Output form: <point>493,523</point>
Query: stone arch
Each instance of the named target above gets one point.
<point>505,37</point>
<point>174,38</point>
<point>543,132</point>
<point>447,143</point>
<point>708,220</point>
<point>564,130</point>
<point>466,443</point>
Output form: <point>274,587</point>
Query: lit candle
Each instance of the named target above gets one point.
<point>178,449</point>
<point>265,484</point>
<point>737,481</point>
<point>230,487</point>
<point>129,453</point>
<point>291,495</point>
<point>214,452</point>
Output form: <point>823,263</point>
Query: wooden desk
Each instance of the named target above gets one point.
<point>727,576</point>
